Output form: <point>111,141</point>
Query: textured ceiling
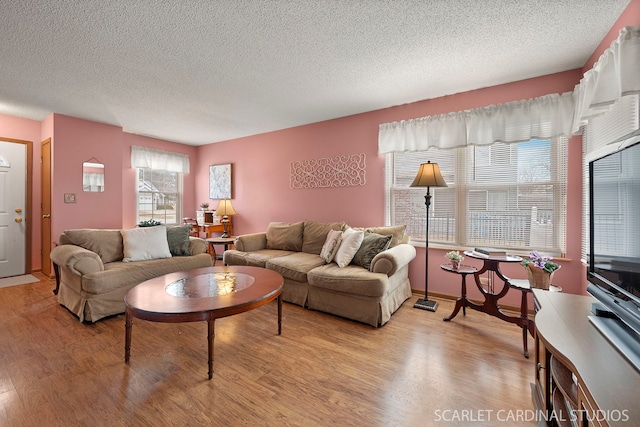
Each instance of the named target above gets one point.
<point>205,71</point>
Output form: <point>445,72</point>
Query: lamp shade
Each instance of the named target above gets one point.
<point>429,176</point>
<point>225,208</point>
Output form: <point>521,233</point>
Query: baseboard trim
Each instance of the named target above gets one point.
<point>504,307</point>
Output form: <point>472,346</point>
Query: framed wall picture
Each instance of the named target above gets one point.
<point>220,181</point>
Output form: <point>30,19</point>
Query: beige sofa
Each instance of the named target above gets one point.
<point>369,295</point>
<point>96,268</point>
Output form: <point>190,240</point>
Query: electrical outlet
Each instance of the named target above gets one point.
<point>69,197</point>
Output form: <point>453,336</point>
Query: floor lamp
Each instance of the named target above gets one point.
<point>428,176</point>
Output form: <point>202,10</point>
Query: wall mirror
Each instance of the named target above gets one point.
<point>93,176</point>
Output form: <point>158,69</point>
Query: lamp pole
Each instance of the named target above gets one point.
<point>428,176</point>
<point>425,304</point>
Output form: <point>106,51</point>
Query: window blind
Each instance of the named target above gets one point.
<point>504,195</point>
<point>602,135</point>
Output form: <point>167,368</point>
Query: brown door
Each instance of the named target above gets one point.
<point>45,220</point>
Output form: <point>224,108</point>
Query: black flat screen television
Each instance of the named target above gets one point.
<point>614,246</point>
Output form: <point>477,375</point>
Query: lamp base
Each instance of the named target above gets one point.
<point>425,304</point>
<point>225,225</point>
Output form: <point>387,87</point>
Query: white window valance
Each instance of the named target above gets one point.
<point>143,157</point>
<point>545,117</point>
<point>93,179</point>
<point>615,75</point>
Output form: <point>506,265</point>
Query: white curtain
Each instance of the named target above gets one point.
<point>545,117</point>
<point>93,179</point>
<point>616,74</point>
<point>143,157</point>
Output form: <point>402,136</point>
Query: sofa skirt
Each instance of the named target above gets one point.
<point>374,311</point>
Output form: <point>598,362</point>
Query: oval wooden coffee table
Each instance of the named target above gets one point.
<point>202,294</point>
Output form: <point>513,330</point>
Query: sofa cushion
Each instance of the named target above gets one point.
<point>315,234</point>
<point>178,239</point>
<point>351,240</point>
<point>285,236</point>
<point>372,244</point>
<point>295,266</point>
<point>106,243</point>
<point>352,279</point>
<point>128,274</point>
<point>331,245</point>
<point>257,258</point>
<point>396,232</point>
<point>145,243</point>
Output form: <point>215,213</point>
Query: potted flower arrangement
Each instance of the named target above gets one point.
<point>204,206</point>
<point>149,223</point>
<point>540,270</point>
<point>455,258</point>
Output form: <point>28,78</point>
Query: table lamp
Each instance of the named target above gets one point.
<point>428,176</point>
<point>224,210</point>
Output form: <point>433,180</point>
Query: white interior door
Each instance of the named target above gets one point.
<point>12,209</point>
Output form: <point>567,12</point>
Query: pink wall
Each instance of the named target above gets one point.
<point>76,141</point>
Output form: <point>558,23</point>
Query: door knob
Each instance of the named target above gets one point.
<point>46,216</point>
<point>18,210</point>
<point>18,219</point>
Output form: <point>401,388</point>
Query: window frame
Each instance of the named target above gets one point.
<point>460,182</point>
<point>179,195</point>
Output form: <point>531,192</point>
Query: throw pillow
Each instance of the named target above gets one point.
<point>315,233</point>
<point>331,245</point>
<point>396,231</point>
<point>106,243</point>
<point>285,236</point>
<point>145,243</point>
<point>372,245</point>
<point>178,240</point>
<point>351,240</point>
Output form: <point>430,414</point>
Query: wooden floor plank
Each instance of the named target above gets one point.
<point>323,370</point>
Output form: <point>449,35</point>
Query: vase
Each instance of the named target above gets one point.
<point>455,264</point>
<point>538,278</point>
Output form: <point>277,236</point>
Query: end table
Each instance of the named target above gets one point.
<point>463,302</point>
<point>224,241</point>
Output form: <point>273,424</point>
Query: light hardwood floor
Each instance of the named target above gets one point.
<point>323,370</point>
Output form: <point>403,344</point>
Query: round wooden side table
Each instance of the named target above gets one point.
<point>463,270</point>
<point>224,241</point>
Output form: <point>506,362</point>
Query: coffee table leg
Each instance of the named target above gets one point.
<point>280,314</point>
<point>210,336</point>
<point>127,340</point>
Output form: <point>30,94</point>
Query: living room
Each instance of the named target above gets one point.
<point>261,173</point>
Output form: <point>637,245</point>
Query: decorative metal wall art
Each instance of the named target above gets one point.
<point>339,171</point>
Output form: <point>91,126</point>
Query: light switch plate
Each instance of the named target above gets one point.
<point>69,197</point>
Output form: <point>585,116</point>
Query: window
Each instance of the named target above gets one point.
<point>503,196</point>
<point>159,188</point>
<point>602,135</point>
<point>159,196</point>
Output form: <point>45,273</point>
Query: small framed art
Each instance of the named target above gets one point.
<point>220,181</point>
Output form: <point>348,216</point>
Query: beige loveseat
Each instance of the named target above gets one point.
<point>369,295</point>
<point>96,268</point>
